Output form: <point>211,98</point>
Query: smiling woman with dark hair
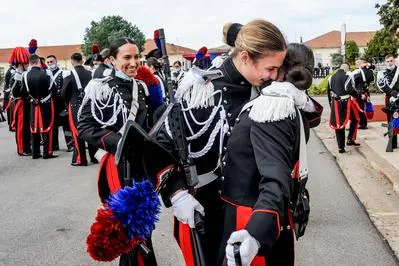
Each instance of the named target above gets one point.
<point>107,105</point>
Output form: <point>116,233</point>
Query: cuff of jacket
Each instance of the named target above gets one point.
<point>264,226</point>
<point>175,182</point>
<point>109,141</point>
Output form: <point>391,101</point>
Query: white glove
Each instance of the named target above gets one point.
<point>249,247</point>
<point>184,206</point>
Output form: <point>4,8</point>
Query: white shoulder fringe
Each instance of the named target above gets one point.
<point>98,89</point>
<point>195,91</point>
<point>274,104</point>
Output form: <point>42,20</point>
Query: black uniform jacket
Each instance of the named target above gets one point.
<point>38,84</point>
<point>107,138</point>
<point>258,171</point>
<point>235,92</point>
<point>70,93</point>
<point>385,79</point>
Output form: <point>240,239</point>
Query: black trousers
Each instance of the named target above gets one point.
<point>353,125</point>
<point>389,118</point>
<point>36,139</point>
<point>362,115</point>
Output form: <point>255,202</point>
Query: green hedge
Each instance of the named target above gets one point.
<point>322,87</point>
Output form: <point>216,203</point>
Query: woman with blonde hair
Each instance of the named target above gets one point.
<point>211,102</point>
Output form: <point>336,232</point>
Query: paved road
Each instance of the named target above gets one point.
<point>48,206</point>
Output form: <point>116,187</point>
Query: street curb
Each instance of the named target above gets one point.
<point>381,165</point>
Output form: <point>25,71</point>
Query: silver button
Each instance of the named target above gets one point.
<point>140,91</point>
<point>231,128</point>
<point>224,89</point>
<point>228,133</point>
<point>237,119</point>
<point>224,163</point>
<point>143,99</point>
<point>242,82</point>
<point>225,101</point>
<point>146,106</point>
<point>248,109</point>
<point>229,114</point>
<point>225,148</point>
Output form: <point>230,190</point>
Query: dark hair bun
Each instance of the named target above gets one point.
<point>230,32</point>
<point>300,76</point>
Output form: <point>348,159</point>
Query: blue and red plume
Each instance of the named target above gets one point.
<point>32,46</point>
<point>95,49</point>
<point>153,84</point>
<point>157,40</point>
<point>201,53</point>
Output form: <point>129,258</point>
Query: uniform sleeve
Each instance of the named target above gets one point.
<point>274,149</point>
<point>92,132</point>
<point>329,90</point>
<point>66,90</point>
<point>176,181</point>
<point>19,90</point>
<point>383,85</point>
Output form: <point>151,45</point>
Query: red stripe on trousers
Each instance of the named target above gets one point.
<point>243,214</point>
<point>74,133</point>
<point>355,108</point>
<point>185,244</point>
<point>337,119</point>
<point>19,113</point>
<point>107,164</point>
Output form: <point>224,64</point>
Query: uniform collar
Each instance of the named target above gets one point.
<point>232,74</point>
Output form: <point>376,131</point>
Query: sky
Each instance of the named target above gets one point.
<point>187,23</point>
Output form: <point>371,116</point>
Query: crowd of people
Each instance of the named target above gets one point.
<point>245,123</point>
<point>349,97</point>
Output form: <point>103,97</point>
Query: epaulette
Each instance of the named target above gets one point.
<point>273,104</point>
<point>196,88</point>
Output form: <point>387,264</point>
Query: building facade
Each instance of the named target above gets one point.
<point>330,43</point>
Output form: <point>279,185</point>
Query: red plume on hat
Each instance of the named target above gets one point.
<point>32,46</point>
<point>19,55</point>
<point>95,49</point>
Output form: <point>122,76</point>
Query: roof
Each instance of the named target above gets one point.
<point>332,39</point>
<point>171,48</point>
<point>62,52</point>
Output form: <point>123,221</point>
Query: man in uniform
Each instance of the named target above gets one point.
<point>40,89</point>
<point>8,96</point>
<point>60,117</point>
<point>388,82</point>
<point>72,93</point>
<point>361,79</point>
<point>343,107</point>
<point>21,111</point>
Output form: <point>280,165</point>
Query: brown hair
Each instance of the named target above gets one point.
<point>258,37</point>
<point>389,56</point>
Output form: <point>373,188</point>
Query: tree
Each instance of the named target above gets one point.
<point>337,59</point>
<point>108,29</point>
<point>351,52</point>
<point>382,43</point>
<point>389,16</point>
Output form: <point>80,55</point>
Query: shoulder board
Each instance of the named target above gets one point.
<point>208,75</point>
<point>107,72</point>
<point>273,105</point>
<point>196,89</point>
